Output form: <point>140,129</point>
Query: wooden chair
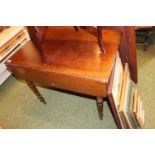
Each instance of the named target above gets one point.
<point>73,63</point>
<point>127,44</point>
<point>34,30</point>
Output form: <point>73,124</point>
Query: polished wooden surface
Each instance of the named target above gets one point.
<point>36,92</point>
<point>99,35</point>
<point>37,35</point>
<point>73,60</point>
<point>128,48</point>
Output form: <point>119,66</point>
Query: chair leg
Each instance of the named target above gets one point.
<point>99,102</point>
<point>32,31</point>
<point>100,40</point>
<point>36,92</point>
<point>76,28</point>
<point>146,41</point>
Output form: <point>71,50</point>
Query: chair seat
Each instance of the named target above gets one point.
<point>74,65</point>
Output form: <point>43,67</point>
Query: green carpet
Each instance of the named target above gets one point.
<point>146,81</point>
<point>19,107</point>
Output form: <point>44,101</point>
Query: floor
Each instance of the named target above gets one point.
<point>19,108</point>
<point>146,77</point>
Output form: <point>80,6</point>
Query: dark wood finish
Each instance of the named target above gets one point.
<point>37,38</point>
<point>99,103</point>
<point>76,28</point>
<point>114,112</point>
<point>38,31</point>
<point>36,92</point>
<point>112,104</point>
<point>100,38</point>
<point>131,54</point>
<point>73,62</point>
<point>127,48</point>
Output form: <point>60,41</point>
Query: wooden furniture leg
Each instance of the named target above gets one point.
<point>36,41</point>
<point>99,102</point>
<point>146,40</point>
<point>36,92</point>
<point>76,28</point>
<point>99,36</point>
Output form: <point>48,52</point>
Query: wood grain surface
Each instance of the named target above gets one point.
<point>74,61</point>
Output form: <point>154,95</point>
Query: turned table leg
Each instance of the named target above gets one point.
<point>36,92</point>
<point>99,102</point>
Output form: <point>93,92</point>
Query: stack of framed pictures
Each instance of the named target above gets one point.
<point>125,97</point>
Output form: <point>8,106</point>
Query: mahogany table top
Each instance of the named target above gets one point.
<point>72,53</point>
